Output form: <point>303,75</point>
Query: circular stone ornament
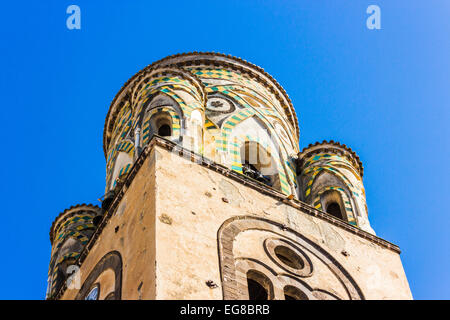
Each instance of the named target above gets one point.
<point>219,104</point>
<point>289,257</point>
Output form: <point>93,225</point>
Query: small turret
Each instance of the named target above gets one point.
<point>69,233</point>
<point>331,178</point>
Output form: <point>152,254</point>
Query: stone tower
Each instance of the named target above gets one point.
<point>209,197</point>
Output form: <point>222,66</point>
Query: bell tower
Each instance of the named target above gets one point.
<point>208,196</point>
<point>331,178</point>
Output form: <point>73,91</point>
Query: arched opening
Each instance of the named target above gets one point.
<point>334,209</point>
<point>112,261</point>
<point>258,164</point>
<point>161,124</point>
<point>293,293</point>
<point>332,203</point>
<point>256,291</point>
<point>164,130</point>
<point>259,286</point>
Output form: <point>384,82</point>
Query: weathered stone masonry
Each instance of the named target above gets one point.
<point>209,197</point>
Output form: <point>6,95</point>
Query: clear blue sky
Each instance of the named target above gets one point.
<point>383,92</point>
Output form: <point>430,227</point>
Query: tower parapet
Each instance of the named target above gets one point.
<point>69,233</point>
<point>331,178</point>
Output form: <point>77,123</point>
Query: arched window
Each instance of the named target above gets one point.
<point>164,130</point>
<point>259,286</point>
<point>258,164</point>
<point>332,203</point>
<point>111,261</point>
<point>256,291</point>
<point>161,124</point>
<point>334,209</point>
<point>293,293</point>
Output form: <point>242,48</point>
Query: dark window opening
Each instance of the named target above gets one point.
<point>164,131</point>
<point>289,257</point>
<point>256,291</point>
<point>335,210</point>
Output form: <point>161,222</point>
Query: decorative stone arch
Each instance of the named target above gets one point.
<point>278,282</point>
<point>337,161</point>
<point>303,287</point>
<point>172,83</point>
<point>58,274</point>
<point>319,163</point>
<point>348,210</point>
<point>175,123</point>
<point>204,65</point>
<point>68,235</point>
<point>231,271</point>
<point>61,236</point>
<point>250,110</point>
<point>263,108</point>
<point>236,156</point>
<point>254,93</point>
<point>111,260</point>
<point>155,99</point>
<point>169,91</point>
<point>315,171</point>
<point>223,143</point>
<point>347,166</point>
<point>240,86</point>
<point>176,78</point>
<point>243,266</point>
<point>355,192</point>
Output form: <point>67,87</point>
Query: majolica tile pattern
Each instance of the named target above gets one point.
<point>236,104</point>
<point>240,109</point>
<point>69,234</point>
<point>332,167</point>
<point>237,117</point>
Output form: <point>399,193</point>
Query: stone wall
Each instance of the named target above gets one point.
<point>185,231</point>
